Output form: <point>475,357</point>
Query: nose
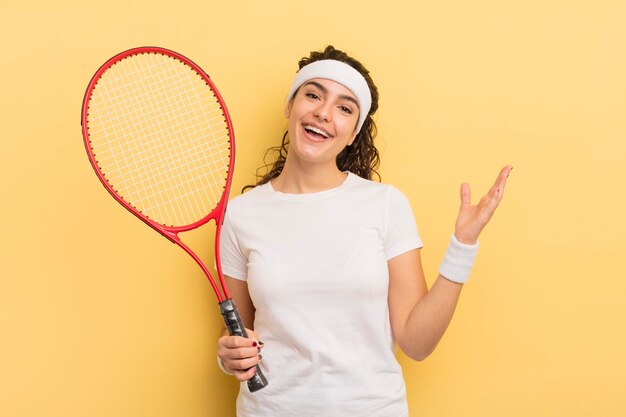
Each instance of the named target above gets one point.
<point>323,111</point>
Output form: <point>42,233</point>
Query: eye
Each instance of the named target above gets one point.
<point>312,95</point>
<point>345,109</point>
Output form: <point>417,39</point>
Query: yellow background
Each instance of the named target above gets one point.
<point>100,316</point>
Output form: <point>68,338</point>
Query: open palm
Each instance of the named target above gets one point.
<point>473,219</point>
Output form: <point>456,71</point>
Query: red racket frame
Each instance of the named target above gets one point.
<point>170,232</point>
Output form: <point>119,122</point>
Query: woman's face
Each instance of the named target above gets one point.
<point>322,120</point>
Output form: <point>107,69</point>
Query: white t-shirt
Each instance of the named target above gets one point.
<point>316,269</point>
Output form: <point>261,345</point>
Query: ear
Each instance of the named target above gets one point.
<point>352,138</point>
<point>354,134</point>
<point>288,108</point>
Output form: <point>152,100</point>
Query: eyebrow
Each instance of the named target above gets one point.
<point>325,90</point>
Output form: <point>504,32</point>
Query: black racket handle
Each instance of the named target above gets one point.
<point>235,328</point>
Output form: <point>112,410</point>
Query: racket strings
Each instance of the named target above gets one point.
<point>160,138</point>
<point>187,165</point>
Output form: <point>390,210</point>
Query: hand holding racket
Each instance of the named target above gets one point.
<point>160,139</point>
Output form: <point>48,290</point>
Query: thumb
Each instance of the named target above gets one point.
<point>466,195</point>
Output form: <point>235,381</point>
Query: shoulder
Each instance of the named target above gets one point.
<point>243,209</point>
<point>376,189</point>
<point>249,198</point>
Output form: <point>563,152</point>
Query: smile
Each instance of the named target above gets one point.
<point>316,131</point>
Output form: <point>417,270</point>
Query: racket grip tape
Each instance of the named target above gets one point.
<point>236,328</point>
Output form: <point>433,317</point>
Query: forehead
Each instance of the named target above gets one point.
<point>330,86</point>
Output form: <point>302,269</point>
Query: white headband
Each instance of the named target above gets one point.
<point>342,73</point>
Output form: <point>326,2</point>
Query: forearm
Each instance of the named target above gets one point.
<point>430,318</point>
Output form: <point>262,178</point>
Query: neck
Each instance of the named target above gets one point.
<point>298,179</point>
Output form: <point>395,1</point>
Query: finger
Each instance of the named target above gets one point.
<point>237,353</point>
<point>497,189</point>
<point>243,364</point>
<point>491,203</point>
<point>506,171</point>
<point>502,176</point>
<point>245,375</point>
<point>466,195</point>
<point>243,353</point>
<point>252,335</point>
<point>233,342</point>
<point>490,207</point>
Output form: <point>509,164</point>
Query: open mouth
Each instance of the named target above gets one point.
<point>316,132</point>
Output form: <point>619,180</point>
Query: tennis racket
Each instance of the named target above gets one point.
<point>160,139</point>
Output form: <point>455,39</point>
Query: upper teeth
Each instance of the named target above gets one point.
<point>316,130</point>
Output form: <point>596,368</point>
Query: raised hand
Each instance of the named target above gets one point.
<point>473,219</point>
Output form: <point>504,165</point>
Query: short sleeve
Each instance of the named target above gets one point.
<point>234,263</point>
<point>401,232</point>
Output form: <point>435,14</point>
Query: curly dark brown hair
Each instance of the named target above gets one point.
<point>360,158</point>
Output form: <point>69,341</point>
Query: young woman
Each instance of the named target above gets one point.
<point>324,264</point>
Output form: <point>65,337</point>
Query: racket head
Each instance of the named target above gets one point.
<point>160,138</point>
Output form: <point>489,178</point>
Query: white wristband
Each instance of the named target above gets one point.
<point>222,367</point>
<point>458,261</point>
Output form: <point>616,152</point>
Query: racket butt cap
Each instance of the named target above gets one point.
<point>258,381</point>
